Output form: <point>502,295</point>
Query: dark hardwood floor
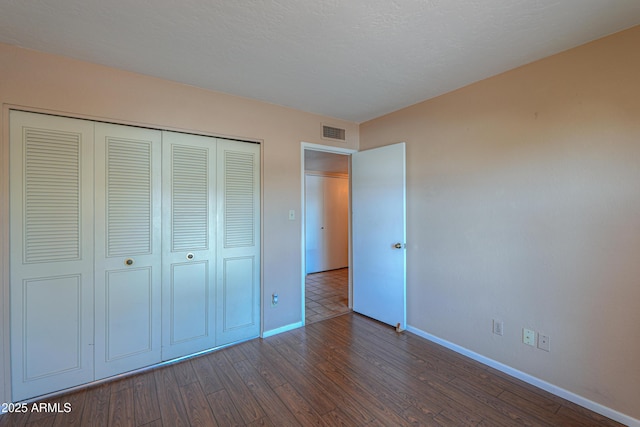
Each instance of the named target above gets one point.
<point>348,370</point>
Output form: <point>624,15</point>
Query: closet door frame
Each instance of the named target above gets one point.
<point>6,394</point>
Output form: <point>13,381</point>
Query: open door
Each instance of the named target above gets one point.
<point>378,201</point>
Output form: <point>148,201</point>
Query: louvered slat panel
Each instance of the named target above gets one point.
<point>129,217</point>
<point>190,195</point>
<point>239,207</point>
<point>51,195</point>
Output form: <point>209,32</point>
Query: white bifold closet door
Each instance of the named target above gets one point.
<point>51,253</point>
<point>211,243</point>
<point>128,248</point>
<point>189,244</point>
<point>238,243</point>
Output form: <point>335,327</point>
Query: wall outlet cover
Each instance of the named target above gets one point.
<point>529,337</point>
<point>544,342</point>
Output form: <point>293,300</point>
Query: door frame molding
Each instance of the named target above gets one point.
<point>5,367</point>
<point>327,149</point>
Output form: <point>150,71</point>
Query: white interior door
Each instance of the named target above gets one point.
<point>128,250</point>
<point>51,253</point>
<point>238,251</point>
<point>326,223</point>
<point>378,219</point>
<point>314,223</point>
<point>188,244</point>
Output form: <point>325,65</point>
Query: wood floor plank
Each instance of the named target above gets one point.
<point>196,404</point>
<point>300,407</point>
<point>76,404</point>
<point>96,410</point>
<point>207,376</point>
<point>270,373</point>
<point>338,417</point>
<point>37,414</point>
<point>390,345</point>
<point>121,384</point>
<point>224,410</point>
<point>169,398</point>
<point>379,410</point>
<point>445,421</point>
<point>358,413</point>
<point>275,409</point>
<point>583,417</point>
<point>298,377</point>
<point>249,409</point>
<point>390,377</point>
<point>262,422</point>
<point>145,406</point>
<point>465,416</point>
<point>518,416</point>
<point>42,422</point>
<point>184,373</point>
<point>369,377</point>
<point>13,419</point>
<point>234,353</point>
<point>469,404</point>
<point>121,408</point>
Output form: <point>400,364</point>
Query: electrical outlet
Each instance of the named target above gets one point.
<point>529,337</point>
<point>544,342</point>
<point>498,327</point>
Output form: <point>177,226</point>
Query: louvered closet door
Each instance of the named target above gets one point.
<point>51,255</point>
<point>238,255</point>
<point>189,244</point>
<point>128,248</point>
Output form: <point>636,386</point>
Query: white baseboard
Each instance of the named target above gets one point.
<point>272,332</point>
<point>565,394</point>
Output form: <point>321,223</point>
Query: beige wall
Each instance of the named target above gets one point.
<point>524,205</point>
<point>43,82</point>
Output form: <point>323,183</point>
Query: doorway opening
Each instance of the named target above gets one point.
<point>326,248</point>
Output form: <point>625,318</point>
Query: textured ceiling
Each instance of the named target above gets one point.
<point>354,60</point>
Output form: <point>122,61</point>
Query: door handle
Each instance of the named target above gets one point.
<point>398,246</point>
<point>190,256</point>
<point>128,261</point>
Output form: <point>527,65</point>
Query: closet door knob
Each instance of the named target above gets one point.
<point>190,256</point>
<point>128,261</point>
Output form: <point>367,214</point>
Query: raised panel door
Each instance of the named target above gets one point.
<point>189,244</point>
<point>51,253</point>
<point>128,248</point>
<point>238,254</point>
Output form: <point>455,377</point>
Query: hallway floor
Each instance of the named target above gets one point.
<point>326,294</point>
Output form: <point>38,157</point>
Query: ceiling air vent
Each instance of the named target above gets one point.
<point>330,132</point>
